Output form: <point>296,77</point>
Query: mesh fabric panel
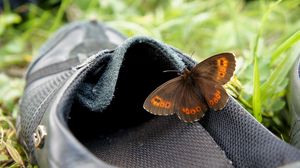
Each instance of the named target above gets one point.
<point>246,142</point>
<point>161,142</point>
<point>33,106</point>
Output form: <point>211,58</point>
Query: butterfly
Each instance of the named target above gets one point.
<point>192,93</point>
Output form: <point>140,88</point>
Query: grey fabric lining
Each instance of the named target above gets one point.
<point>160,142</point>
<point>100,95</point>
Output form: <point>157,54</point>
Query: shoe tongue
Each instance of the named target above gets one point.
<point>133,70</point>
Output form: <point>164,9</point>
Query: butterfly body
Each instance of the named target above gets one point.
<point>194,91</point>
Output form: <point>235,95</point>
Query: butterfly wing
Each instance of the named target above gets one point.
<point>210,74</point>
<point>214,93</point>
<point>162,100</point>
<point>176,96</point>
<point>218,68</point>
<point>189,106</point>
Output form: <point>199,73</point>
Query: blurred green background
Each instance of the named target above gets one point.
<point>264,35</point>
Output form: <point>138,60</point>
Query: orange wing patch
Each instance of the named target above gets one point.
<point>192,110</point>
<point>222,67</point>
<point>216,98</point>
<point>160,102</point>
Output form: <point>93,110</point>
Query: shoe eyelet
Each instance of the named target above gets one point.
<point>39,136</point>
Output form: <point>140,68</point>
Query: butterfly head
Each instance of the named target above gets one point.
<point>186,73</point>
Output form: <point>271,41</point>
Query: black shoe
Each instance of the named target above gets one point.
<point>91,114</point>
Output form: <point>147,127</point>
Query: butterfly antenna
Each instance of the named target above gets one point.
<point>192,54</point>
<point>172,70</point>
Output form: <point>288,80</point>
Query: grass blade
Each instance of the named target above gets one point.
<point>285,46</point>
<point>256,100</point>
<point>281,71</point>
<point>278,75</point>
<point>14,154</point>
<point>60,14</point>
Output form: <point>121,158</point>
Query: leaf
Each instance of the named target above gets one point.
<point>14,153</point>
<point>3,158</point>
<point>278,105</point>
<point>7,20</point>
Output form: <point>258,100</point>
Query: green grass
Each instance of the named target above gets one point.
<point>264,35</point>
